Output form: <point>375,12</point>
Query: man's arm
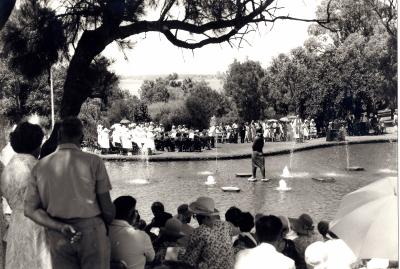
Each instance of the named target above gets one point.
<point>106,207</point>
<point>33,210</point>
<point>103,187</point>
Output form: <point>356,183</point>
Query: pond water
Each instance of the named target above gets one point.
<point>174,183</point>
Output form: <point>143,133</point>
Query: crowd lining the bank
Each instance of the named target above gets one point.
<point>135,138</point>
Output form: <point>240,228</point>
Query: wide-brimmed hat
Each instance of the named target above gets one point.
<point>203,206</point>
<point>302,225</point>
<point>173,227</point>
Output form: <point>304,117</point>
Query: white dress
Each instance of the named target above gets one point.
<point>26,240</point>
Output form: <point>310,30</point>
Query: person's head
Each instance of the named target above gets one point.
<point>71,131</point>
<point>184,214</point>
<point>258,131</point>
<point>125,208</point>
<point>233,215</point>
<point>268,228</point>
<point>303,225</point>
<point>203,210</point>
<point>323,228</point>
<point>27,138</point>
<point>157,208</point>
<point>246,222</point>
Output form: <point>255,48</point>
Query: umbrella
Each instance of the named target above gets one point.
<point>284,119</point>
<point>271,120</point>
<point>292,117</point>
<point>367,220</point>
<point>125,121</point>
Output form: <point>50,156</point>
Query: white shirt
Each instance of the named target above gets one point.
<point>264,256</point>
<point>130,245</point>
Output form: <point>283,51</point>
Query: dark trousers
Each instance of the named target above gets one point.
<point>91,251</point>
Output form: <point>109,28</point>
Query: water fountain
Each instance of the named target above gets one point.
<point>283,186</point>
<point>145,179</point>
<point>210,181</point>
<point>348,167</point>
<point>286,173</point>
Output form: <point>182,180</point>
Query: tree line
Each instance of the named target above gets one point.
<point>348,65</point>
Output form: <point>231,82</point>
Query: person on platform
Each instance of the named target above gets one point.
<point>69,194</point>
<point>257,157</point>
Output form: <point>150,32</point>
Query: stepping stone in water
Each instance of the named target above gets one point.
<point>324,179</point>
<point>243,174</point>
<point>230,189</point>
<point>355,168</point>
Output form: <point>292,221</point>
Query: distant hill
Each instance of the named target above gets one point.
<point>133,83</point>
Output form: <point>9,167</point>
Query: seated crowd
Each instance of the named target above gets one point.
<point>67,194</point>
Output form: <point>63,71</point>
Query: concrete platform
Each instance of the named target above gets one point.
<point>241,151</point>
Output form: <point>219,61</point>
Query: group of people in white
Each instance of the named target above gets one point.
<point>124,134</point>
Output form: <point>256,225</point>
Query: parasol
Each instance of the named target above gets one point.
<point>367,220</point>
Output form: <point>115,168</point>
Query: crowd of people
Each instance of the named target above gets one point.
<point>131,138</point>
<point>63,217</point>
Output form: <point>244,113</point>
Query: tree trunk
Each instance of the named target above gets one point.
<point>76,90</point>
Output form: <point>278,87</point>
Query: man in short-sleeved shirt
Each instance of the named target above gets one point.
<point>71,186</point>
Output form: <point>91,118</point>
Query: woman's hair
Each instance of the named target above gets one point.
<point>26,138</point>
<point>233,215</point>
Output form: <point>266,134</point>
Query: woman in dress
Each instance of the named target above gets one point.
<point>26,241</point>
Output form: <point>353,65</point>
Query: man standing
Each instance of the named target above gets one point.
<point>69,194</point>
<point>257,157</point>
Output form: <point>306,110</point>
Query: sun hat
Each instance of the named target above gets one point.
<point>173,227</point>
<point>203,206</point>
<point>302,225</point>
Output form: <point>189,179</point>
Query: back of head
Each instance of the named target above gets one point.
<point>183,209</point>
<point>268,228</point>
<point>26,137</point>
<point>246,222</point>
<point>71,130</point>
<point>157,207</point>
<point>124,206</point>
<point>233,215</point>
<point>323,228</point>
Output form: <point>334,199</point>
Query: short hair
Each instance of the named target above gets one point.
<point>233,215</point>
<point>123,205</point>
<point>183,209</point>
<point>157,206</point>
<point>246,222</point>
<point>268,228</point>
<point>71,127</point>
<point>323,227</point>
<point>26,137</point>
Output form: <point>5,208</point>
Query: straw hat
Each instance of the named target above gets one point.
<point>203,206</point>
<point>173,227</point>
<point>302,225</point>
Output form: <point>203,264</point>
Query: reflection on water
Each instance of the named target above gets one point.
<point>174,183</point>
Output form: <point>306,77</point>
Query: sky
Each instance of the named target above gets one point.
<point>154,55</point>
